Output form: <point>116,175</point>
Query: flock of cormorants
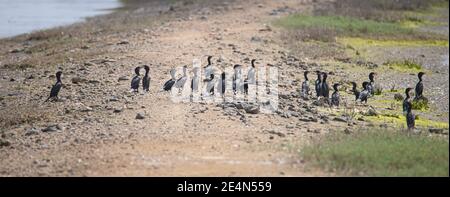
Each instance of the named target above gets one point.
<point>321,86</point>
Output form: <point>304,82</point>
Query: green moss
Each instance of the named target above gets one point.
<point>359,43</point>
<point>379,153</point>
<point>421,105</point>
<point>342,24</point>
<point>405,65</point>
<point>400,120</point>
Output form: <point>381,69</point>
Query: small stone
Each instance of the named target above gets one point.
<point>114,99</point>
<point>77,80</point>
<point>123,78</point>
<point>51,128</point>
<point>140,116</point>
<point>437,131</point>
<point>4,143</point>
<point>123,42</point>
<point>32,131</point>
<point>87,109</point>
<point>340,119</point>
<point>118,110</point>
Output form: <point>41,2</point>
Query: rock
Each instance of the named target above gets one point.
<point>4,143</point>
<point>87,109</point>
<point>256,39</point>
<point>140,116</point>
<point>276,133</point>
<point>51,128</point>
<point>252,108</point>
<point>123,42</point>
<point>371,112</point>
<point>340,119</point>
<point>123,78</point>
<point>203,18</point>
<point>114,99</point>
<point>77,80</point>
<point>398,97</point>
<point>118,110</point>
<point>32,131</point>
<point>437,131</point>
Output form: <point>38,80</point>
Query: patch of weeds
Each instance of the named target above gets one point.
<point>421,105</point>
<point>379,153</point>
<point>404,65</point>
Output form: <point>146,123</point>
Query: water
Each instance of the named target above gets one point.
<point>24,16</point>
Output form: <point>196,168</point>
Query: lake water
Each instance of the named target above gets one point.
<point>24,16</point>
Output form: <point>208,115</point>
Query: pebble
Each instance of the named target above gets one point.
<point>140,116</point>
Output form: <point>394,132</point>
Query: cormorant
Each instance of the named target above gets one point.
<point>305,86</point>
<point>237,78</point>
<point>182,80</point>
<point>222,83</point>
<point>419,87</point>
<point>371,85</point>
<point>195,80</point>
<point>407,99</point>
<point>208,68</point>
<point>169,84</point>
<point>335,97</point>
<point>55,88</point>
<point>146,79</point>
<point>210,84</point>
<point>251,77</point>
<point>136,80</point>
<point>364,95</point>
<point>324,88</point>
<point>410,117</point>
<point>355,91</point>
<point>318,83</point>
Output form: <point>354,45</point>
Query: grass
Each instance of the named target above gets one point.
<point>421,105</point>
<point>343,25</point>
<point>380,153</point>
<point>405,65</point>
<point>365,42</point>
<point>400,121</point>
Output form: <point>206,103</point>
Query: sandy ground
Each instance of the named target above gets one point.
<point>98,134</point>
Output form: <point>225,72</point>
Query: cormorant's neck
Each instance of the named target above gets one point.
<point>209,61</point>
<point>58,79</point>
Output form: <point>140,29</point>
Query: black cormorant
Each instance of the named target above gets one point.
<point>136,80</point>
<point>182,80</point>
<point>324,88</point>
<point>169,84</point>
<point>305,86</point>
<point>251,77</point>
<point>208,68</point>
<point>55,88</point>
<point>406,100</point>
<point>419,87</point>
<point>355,91</point>
<point>410,117</point>
<point>335,97</point>
<point>364,95</point>
<point>371,85</point>
<point>146,79</point>
<point>318,84</point>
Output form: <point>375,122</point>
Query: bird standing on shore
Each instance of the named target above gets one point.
<point>146,79</point>
<point>210,83</point>
<point>208,68</point>
<point>195,80</point>
<point>169,84</point>
<point>335,97</point>
<point>364,95</point>
<point>55,88</point>
<point>237,79</point>
<point>355,91</point>
<point>410,117</point>
<point>304,93</point>
<point>251,77</point>
<point>406,100</point>
<point>371,85</point>
<point>182,80</point>
<point>136,80</point>
<point>419,87</point>
<point>324,88</point>
<point>318,84</point>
